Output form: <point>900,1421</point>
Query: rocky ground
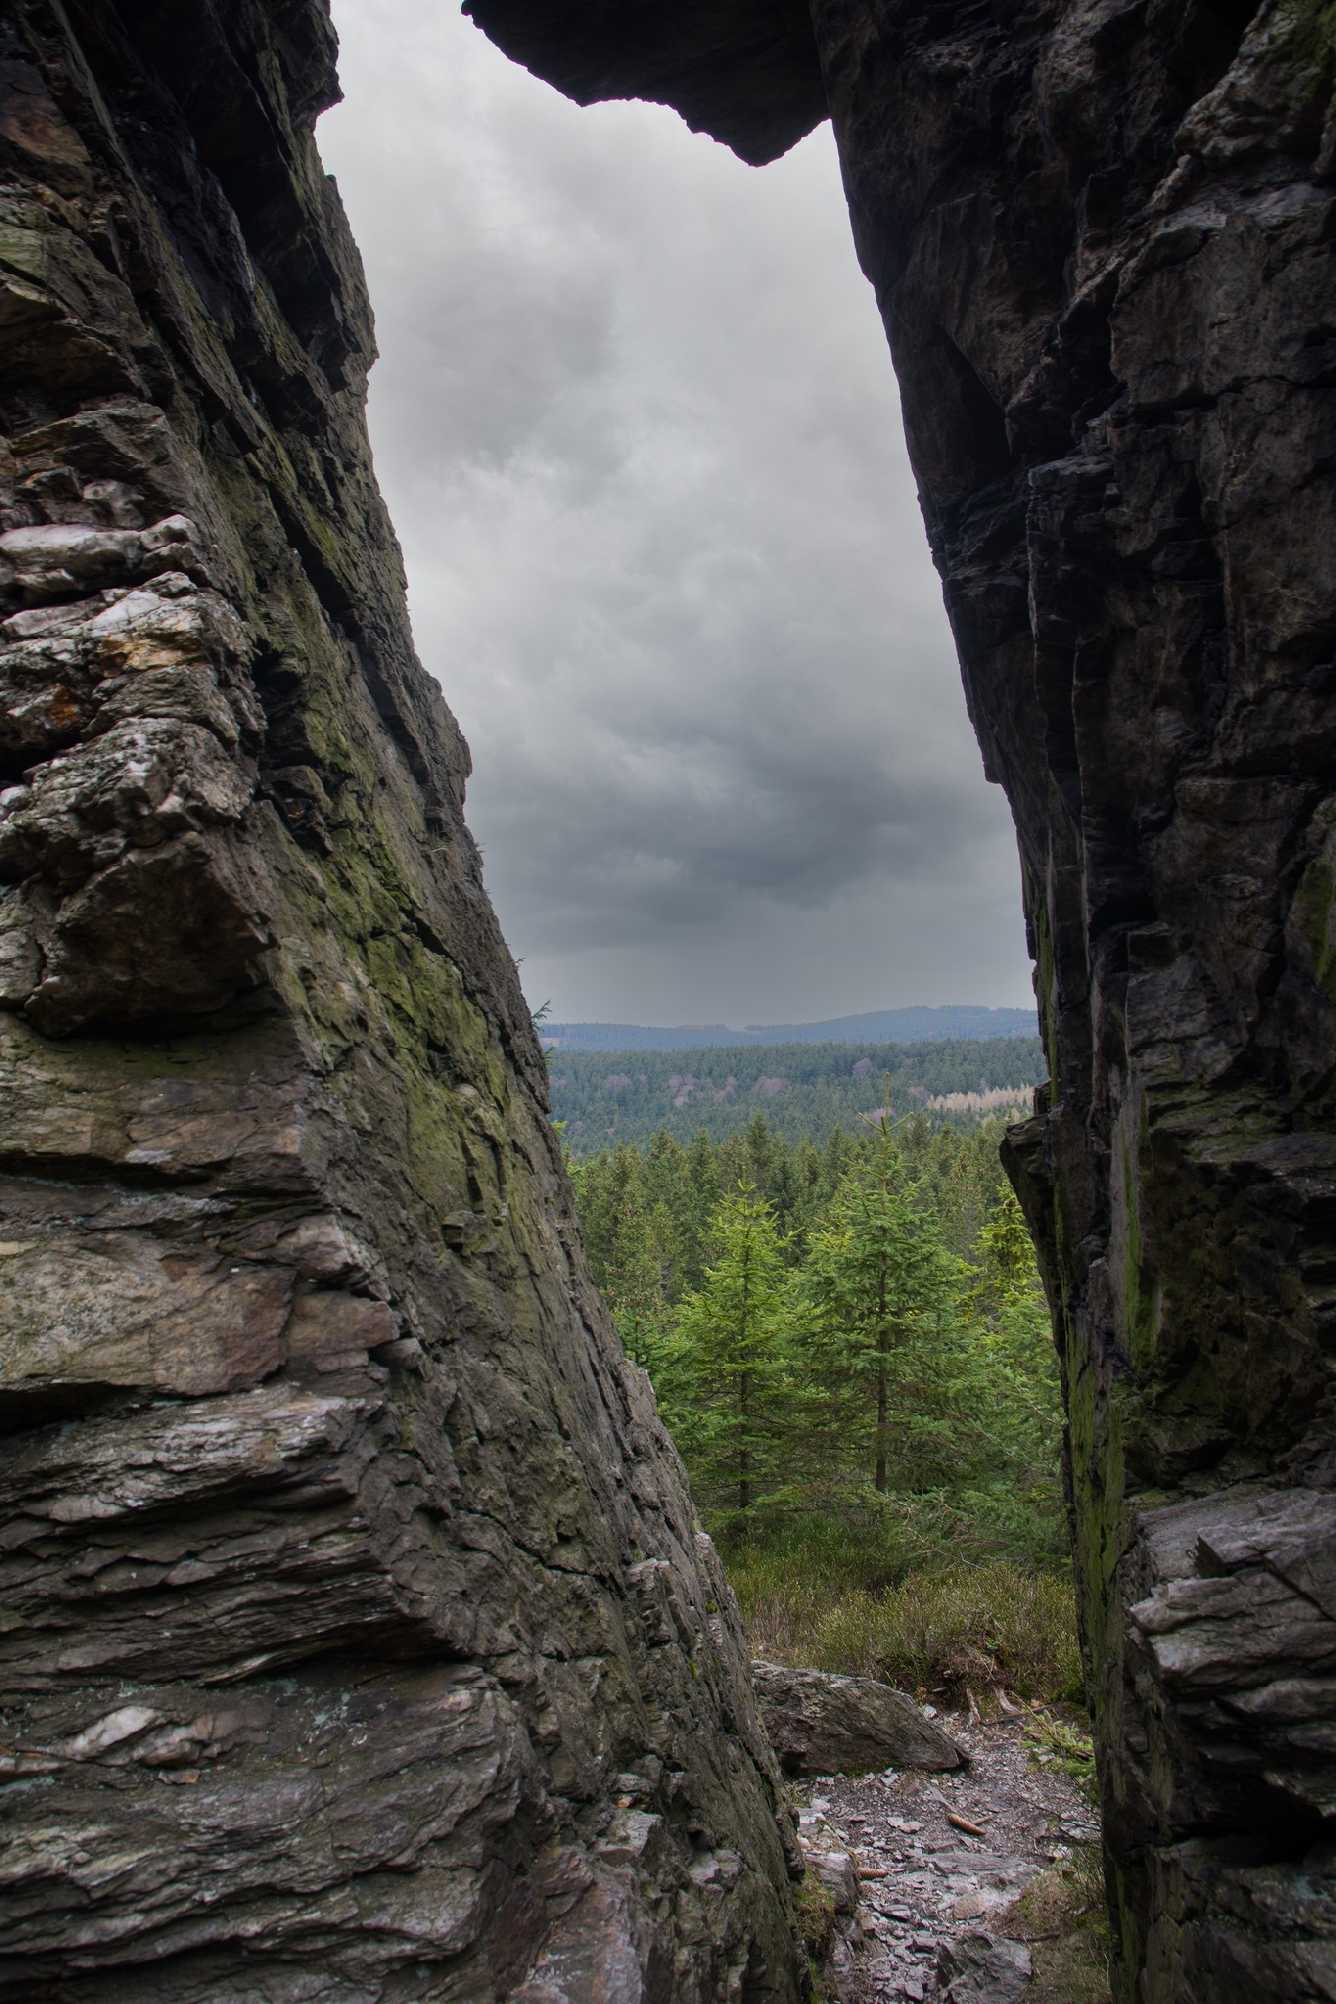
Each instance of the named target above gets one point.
<point>972,1888</point>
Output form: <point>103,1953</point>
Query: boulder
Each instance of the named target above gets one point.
<point>839,1877</point>
<point>823,1724</point>
<point>979,1968</point>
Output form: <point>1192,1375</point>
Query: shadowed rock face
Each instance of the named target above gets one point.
<point>357,1641</point>
<point>1100,235</point>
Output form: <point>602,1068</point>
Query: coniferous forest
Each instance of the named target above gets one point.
<point>806,1090</point>
<point>850,1345</point>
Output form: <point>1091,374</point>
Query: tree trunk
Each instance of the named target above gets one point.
<point>744,1392</point>
<point>883,1349</point>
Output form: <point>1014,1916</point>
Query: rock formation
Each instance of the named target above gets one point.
<point>1100,235</point>
<point>823,1724</point>
<point>983,1969</point>
<point>355,1625</point>
<point>357,1640</point>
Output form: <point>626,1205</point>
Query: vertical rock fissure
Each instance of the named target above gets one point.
<point>358,1632</point>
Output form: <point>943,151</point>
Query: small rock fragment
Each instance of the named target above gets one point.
<point>979,1968</point>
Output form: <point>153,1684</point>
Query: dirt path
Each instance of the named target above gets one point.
<point>933,1894</point>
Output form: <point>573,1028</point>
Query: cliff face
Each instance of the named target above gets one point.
<point>357,1639</point>
<point>1100,234</point>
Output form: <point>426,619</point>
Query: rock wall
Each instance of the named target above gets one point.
<point>357,1640</point>
<point>1100,235</point>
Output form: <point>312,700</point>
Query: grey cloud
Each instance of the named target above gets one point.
<point>638,429</point>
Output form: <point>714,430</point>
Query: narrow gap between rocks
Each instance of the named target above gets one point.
<point>978,1887</point>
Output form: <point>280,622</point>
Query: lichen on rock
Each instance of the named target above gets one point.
<point>358,1631</point>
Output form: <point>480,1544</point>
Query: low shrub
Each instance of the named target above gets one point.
<point>973,1626</point>
<point>936,1633</point>
<point>786,1585</point>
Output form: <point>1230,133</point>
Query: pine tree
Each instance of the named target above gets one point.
<point>839,1154</point>
<point>633,1281</point>
<point>1008,1270</point>
<point>605,1186</point>
<point>761,1152</point>
<point>808,1368</point>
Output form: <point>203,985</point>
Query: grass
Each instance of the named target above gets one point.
<point>1062,1919</point>
<point>1062,1914</point>
<point>936,1633</point>
<point>1054,1742</point>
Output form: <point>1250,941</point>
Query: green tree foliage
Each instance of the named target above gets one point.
<point>800,1090</point>
<point>1007,1270</point>
<point>731,1338</point>
<point>849,1341</point>
<point>876,1309</point>
<point>1020,1429</point>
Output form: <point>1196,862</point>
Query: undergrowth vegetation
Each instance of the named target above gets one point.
<point>1061,1915</point>
<point>814,1907</point>
<point>946,1635</point>
<point>1052,1741</point>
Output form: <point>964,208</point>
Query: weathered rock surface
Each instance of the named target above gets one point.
<point>1100,235</point>
<point>927,1889</point>
<point>357,1640</point>
<point>837,1876</point>
<point>823,1724</point>
<point>981,1968</point>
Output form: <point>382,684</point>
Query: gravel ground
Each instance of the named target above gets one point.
<point>925,1882</point>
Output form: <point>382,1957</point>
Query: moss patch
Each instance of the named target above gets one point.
<point>1314,29</point>
<point>1315,910</point>
<point>815,1909</point>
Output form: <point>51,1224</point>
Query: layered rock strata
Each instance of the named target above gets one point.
<point>1100,236</point>
<point>357,1639</point>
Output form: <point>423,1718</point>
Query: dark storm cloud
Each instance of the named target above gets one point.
<point>637,427</point>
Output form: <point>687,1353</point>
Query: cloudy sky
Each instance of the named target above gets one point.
<point>636,423</point>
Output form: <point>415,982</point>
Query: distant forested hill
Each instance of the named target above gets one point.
<point>805,1090</point>
<point>951,1023</point>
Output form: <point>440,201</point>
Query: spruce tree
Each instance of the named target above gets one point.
<point>731,1335</point>
<point>700,1199</point>
<point>879,1295</point>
